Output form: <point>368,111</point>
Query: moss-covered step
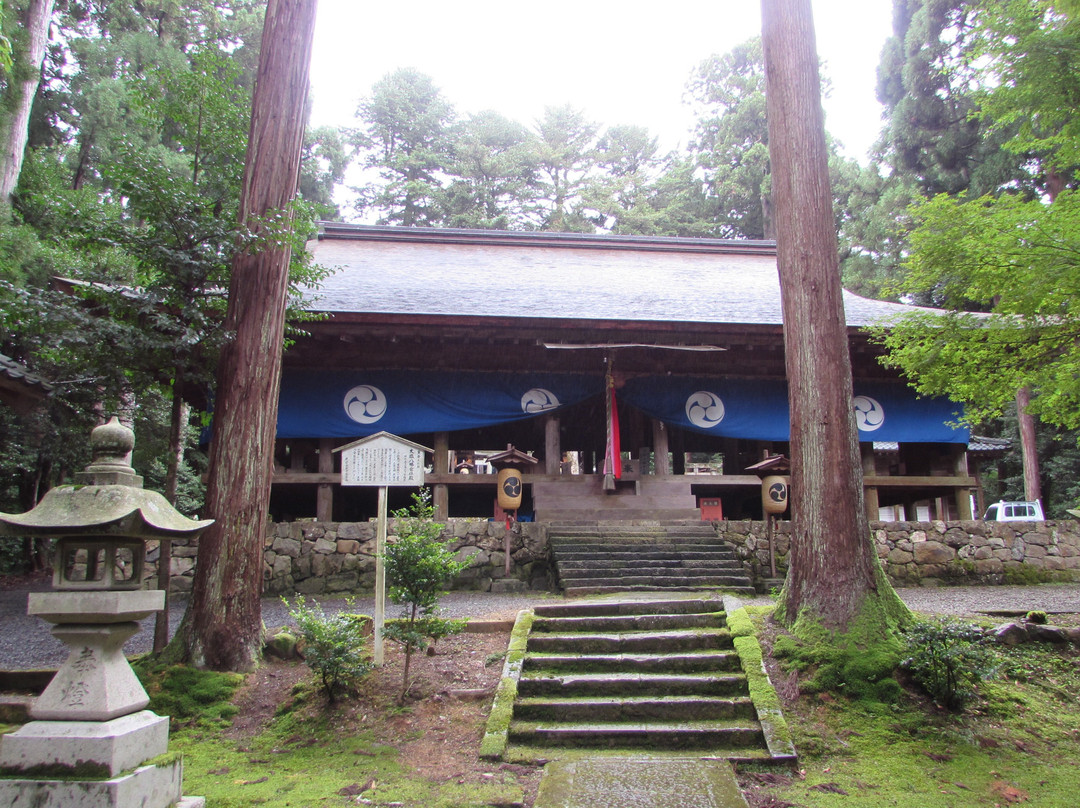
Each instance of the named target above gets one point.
<point>709,660</point>
<point>631,642</point>
<point>600,608</point>
<point>643,622</point>
<point>581,685</point>
<point>701,735</point>
<point>634,708</point>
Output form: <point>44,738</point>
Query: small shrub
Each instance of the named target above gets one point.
<point>334,646</point>
<point>948,658</point>
<point>1039,617</point>
<point>418,568</point>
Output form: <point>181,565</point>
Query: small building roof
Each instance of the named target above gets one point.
<point>434,271</point>
<point>19,388</point>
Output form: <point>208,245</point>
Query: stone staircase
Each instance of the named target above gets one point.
<point>615,557</point>
<point>657,676</point>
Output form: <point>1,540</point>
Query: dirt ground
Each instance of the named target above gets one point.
<point>439,731</point>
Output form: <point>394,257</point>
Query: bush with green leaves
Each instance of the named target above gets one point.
<point>947,659</point>
<point>418,568</point>
<point>334,646</point>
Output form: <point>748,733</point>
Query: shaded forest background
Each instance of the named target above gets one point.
<point>132,160</point>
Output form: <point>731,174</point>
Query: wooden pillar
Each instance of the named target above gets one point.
<point>678,446</point>
<point>870,492</point>
<point>960,469</point>
<point>440,496</point>
<point>730,449</point>
<point>552,444</point>
<point>661,461</point>
<point>324,497</point>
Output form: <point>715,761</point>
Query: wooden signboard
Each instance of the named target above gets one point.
<point>382,460</point>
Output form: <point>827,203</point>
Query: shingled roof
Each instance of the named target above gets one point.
<point>19,388</point>
<point>429,271</point>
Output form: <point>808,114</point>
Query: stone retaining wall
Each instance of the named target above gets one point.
<point>319,558</point>
<point>932,553</point>
<point>323,558</point>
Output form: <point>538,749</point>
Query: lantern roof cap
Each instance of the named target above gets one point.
<point>775,464</point>
<point>512,457</point>
<point>107,499</point>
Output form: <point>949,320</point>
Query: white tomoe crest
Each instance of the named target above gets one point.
<point>538,400</point>
<point>365,404</point>
<point>704,409</point>
<point>869,414</point>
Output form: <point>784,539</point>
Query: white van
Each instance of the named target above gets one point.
<point>1014,512</point>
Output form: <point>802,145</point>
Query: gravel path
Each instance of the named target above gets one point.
<point>25,642</point>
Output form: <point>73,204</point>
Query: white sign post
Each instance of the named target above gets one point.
<point>382,460</point>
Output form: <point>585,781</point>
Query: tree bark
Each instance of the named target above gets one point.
<point>19,96</point>
<point>832,566</point>
<point>223,627</point>
<point>1029,447</point>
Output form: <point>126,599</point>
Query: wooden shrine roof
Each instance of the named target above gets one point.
<point>428,272</point>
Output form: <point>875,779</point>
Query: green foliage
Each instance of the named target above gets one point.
<point>1037,616</point>
<point>189,696</point>
<point>334,646</point>
<point>859,662</point>
<point>947,659</point>
<point>418,569</point>
<point>1017,258</point>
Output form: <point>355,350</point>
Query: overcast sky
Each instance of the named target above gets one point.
<point>619,62</point>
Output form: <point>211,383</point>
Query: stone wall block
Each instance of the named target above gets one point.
<point>900,557</point>
<point>311,586</point>
<point>347,546</point>
<point>933,552</point>
<point>989,566</point>
<point>918,536</point>
<point>349,530</point>
<point>324,546</point>
<point>282,566</point>
<point>289,547</point>
<point>302,567</point>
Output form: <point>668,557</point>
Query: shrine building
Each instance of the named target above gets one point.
<point>662,356</point>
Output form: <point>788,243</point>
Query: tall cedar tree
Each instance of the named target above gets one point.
<point>18,93</point>
<point>833,566</point>
<point>223,627</point>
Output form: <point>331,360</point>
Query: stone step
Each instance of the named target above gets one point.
<point>636,642</point>
<point>557,663</point>
<point>633,684</point>
<point>718,734</point>
<point>653,554</point>
<point>636,541</point>
<point>621,512</point>
<point>680,606</point>
<point>645,622</point>
<point>684,579</point>
<point>617,589</point>
<point>634,708</point>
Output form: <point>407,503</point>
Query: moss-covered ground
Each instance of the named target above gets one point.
<point>1018,744</point>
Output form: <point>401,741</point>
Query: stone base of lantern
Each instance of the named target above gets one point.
<point>150,786</point>
<point>105,748</point>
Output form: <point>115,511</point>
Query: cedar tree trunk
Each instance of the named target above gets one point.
<point>223,627</point>
<point>832,564</point>
<point>1029,447</point>
<point>19,96</point>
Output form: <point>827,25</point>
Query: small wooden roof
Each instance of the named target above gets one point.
<point>19,388</point>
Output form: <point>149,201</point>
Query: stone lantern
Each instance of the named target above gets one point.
<point>90,725</point>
